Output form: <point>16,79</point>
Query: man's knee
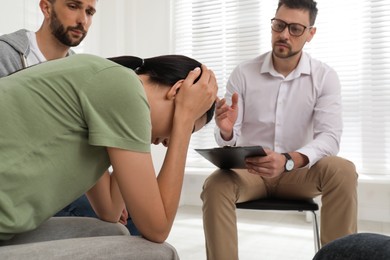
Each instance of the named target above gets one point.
<point>338,169</point>
<point>218,183</point>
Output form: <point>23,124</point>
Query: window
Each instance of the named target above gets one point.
<point>352,37</point>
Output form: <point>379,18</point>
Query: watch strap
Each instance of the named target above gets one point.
<point>289,165</point>
<point>288,156</point>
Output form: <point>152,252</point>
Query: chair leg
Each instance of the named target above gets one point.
<point>317,243</point>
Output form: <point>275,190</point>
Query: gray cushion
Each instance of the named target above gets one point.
<point>68,227</point>
<point>106,247</point>
<point>83,238</point>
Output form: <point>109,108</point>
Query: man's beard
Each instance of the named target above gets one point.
<point>284,55</point>
<point>59,31</point>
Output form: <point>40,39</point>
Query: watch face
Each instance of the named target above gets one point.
<point>289,165</point>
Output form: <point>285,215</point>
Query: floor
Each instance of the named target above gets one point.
<point>262,235</point>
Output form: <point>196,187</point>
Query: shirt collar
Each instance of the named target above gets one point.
<point>302,68</point>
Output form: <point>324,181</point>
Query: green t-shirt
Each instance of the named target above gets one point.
<point>56,120</point>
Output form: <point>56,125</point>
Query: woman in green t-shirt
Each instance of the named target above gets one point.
<point>65,122</point>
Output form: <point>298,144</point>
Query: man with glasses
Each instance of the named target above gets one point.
<point>290,104</point>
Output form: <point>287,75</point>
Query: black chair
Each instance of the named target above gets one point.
<point>287,205</point>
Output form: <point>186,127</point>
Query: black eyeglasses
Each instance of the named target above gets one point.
<point>295,29</point>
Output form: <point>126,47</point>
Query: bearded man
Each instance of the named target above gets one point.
<point>65,25</point>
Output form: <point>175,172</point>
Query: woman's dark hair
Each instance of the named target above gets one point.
<point>165,70</point>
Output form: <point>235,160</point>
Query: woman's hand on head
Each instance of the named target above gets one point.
<point>194,99</point>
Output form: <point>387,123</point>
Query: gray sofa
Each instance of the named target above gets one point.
<point>83,238</point>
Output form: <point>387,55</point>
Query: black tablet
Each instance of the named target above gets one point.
<point>231,157</point>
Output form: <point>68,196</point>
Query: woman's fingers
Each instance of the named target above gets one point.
<point>197,98</point>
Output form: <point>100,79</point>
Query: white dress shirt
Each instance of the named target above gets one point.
<point>301,112</point>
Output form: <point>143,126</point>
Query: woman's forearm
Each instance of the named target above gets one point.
<point>106,199</point>
<point>170,178</point>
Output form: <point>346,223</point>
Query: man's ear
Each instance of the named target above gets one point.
<point>45,6</point>
<point>311,34</point>
<point>174,89</point>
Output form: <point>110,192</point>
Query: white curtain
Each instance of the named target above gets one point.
<point>352,36</point>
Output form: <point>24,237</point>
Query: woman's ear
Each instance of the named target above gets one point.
<point>174,89</point>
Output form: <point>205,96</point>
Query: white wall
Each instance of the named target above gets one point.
<point>130,27</point>
<point>18,14</point>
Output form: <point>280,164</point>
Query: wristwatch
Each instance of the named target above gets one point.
<point>289,163</point>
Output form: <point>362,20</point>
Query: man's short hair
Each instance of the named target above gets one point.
<point>307,5</point>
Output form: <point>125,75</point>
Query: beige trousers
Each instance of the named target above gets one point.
<point>332,177</point>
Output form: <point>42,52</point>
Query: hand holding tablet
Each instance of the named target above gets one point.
<point>231,157</point>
